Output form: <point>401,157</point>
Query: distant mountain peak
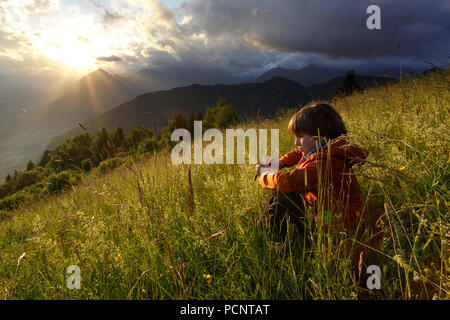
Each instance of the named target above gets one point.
<point>100,70</point>
<point>307,76</point>
<point>94,93</point>
<point>99,73</point>
<point>279,79</point>
<point>278,68</point>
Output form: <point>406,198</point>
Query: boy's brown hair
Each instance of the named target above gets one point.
<point>317,118</point>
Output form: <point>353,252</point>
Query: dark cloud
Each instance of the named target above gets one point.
<point>207,61</point>
<point>159,59</point>
<point>215,41</point>
<point>333,29</point>
<point>109,59</point>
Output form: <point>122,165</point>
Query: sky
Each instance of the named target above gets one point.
<point>235,37</point>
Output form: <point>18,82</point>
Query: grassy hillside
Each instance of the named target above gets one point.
<point>148,231</point>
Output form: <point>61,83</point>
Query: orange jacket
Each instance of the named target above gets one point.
<point>325,172</point>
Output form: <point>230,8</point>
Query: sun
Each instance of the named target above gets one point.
<point>74,53</point>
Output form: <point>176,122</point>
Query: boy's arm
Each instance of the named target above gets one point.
<point>300,180</point>
<point>290,159</point>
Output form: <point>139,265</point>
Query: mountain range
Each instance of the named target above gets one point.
<point>171,77</point>
<point>307,76</point>
<point>155,109</point>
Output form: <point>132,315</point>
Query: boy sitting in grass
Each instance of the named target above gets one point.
<point>323,174</point>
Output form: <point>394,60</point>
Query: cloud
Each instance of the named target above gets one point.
<point>231,37</point>
<point>37,7</point>
<point>334,29</point>
<point>213,40</point>
<point>109,59</point>
<point>171,40</point>
<point>159,21</point>
<point>10,41</point>
<point>111,16</point>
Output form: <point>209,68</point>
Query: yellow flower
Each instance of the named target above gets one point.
<point>207,277</point>
<point>119,256</point>
<point>402,168</point>
<point>144,291</point>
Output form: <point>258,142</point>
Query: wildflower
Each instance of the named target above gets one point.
<point>119,256</point>
<point>207,277</point>
<point>402,168</point>
<point>399,259</point>
<point>144,291</point>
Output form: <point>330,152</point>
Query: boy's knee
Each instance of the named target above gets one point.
<point>291,201</point>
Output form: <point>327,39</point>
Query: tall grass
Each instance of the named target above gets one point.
<point>152,230</point>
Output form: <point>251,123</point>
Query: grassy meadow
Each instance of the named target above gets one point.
<point>152,230</point>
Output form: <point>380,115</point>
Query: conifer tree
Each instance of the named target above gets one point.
<point>349,84</point>
<point>30,165</point>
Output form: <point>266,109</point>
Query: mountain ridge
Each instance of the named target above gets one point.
<point>307,76</point>
<point>155,109</point>
<point>92,94</point>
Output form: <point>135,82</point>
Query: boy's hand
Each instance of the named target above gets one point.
<point>266,164</point>
<point>259,166</point>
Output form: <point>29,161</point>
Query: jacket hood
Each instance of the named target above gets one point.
<point>351,153</point>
